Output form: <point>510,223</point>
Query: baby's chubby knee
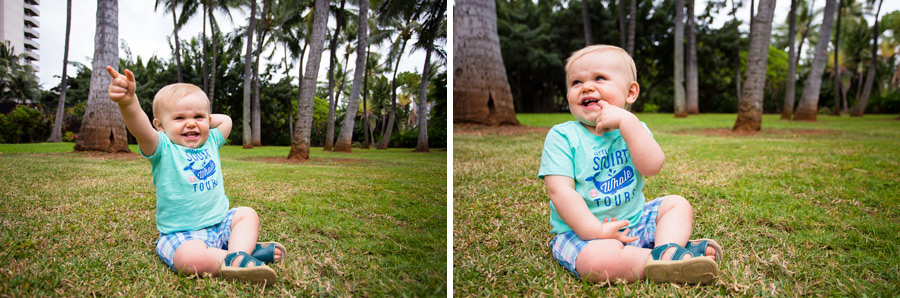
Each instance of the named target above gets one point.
<point>246,213</point>
<point>600,259</point>
<point>675,201</point>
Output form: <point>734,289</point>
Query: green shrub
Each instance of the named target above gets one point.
<point>25,124</point>
<point>651,108</point>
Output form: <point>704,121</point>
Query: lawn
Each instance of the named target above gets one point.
<point>369,223</point>
<point>800,208</point>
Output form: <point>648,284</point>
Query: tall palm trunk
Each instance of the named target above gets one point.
<point>809,100</point>
<point>346,136</point>
<point>860,108</point>
<point>177,46</point>
<point>422,143</point>
<point>737,56</point>
<point>680,107</point>
<point>692,80</point>
<point>386,137</point>
<point>623,34</point>
<point>749,118</point>
<point>215,54</point>
<point>205,64</point>
<point>838,82</point>
<point>790,84</point>
<point>301,142</point>
<point>332,101</point>
<point>632,12</point>
<point>102,128</point>
<point>586,21</point>
<point>255,117</point>
<point>56,134</point>
<point>365,98</point>
<point>248,64</point>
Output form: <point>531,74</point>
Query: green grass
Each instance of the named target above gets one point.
<point>370,223</point>
<point>800,208</point>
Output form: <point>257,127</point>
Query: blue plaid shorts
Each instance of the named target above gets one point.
<point>566,246</point>
<point>215,236</point>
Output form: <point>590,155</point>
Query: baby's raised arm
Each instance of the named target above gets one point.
<point>222,122</point>
<point>121,91</point>
<point>575,212</point>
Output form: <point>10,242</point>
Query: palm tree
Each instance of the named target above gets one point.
<point>401,15</point>
<point>346,135</point>
<point>692,80</point>
<point>481,91</point>
<point>749,118</point>
<point>680,107</point>
<point>302,129</point>
<point>262,29</point>
<point>809,100</point>
<point>247,132</point>
<point>837,69</point>
<point>586,21</point>
<point>431,32</point>
<point>860,108</point>
<point>102,128</point>
<point>56,133</point>
<point>329,127</point>
<point>632,12</point>
<point>790,83</point>
<point>737,31</point>
<point>171,5</point>
<point>623,38</point>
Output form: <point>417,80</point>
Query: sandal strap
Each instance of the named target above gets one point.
<point>697,249</point>
<point>246,260</point>
<point>680,251</point>
<point>265,253</point>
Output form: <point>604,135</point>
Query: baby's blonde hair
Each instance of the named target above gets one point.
<point>601,48</point>
<point>174,92</point>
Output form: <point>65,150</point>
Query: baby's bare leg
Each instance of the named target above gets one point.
<point>244,232</point>
<point>608,259</point>
<point>673,224</point>
<point>194,257</point>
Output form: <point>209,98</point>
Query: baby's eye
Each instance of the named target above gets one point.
<point>600,78</point>
<point>198,117</point>
<point>576,82</point>
<point>179,118</point>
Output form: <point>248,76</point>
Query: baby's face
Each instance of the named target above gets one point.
<point>594,77</point>
<point>186,121</point>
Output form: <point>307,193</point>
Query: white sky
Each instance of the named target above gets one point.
<point>147,32</point>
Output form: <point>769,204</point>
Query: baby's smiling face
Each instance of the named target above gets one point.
<point>185,121</point>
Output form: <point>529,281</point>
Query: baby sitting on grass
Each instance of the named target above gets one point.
<point>198,232</point>
<point>594,170</point>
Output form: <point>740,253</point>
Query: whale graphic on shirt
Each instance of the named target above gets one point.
<point>208,170</point>
<point>617,182</point>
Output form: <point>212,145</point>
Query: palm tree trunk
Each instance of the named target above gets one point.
<point>623,34</point>
<point>345,138</point>
<point>422,143</point>
<point>586,22</point>
<point>368,130</point>
<point>838,82</point>
<point>749,118</point>
<point>809,100</point>
<point>301,141</point>
<point>215,54</point>
<point>386,137</point>
<point>790,84</point>
<point>256,119</point>
<point>692,82</point>
<point>737,56</point>
<point>860,108</point>
<point>332,100</point>
<point>177,46</point>
<point>102,128</point>
<point>205,64</point>
<point>56,133</point>
<point>632,12</point>
<point>680,107</point>
<point>248,63</point>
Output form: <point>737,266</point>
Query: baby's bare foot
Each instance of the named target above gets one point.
<point>277,254</point>
<point>667,255</point>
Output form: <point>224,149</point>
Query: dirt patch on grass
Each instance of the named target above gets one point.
<point>283,160</point>
<point>105,155</point>
<point>480,129</point>
<point>724,132</point>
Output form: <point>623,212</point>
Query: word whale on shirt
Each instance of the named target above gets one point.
<point>208,170</point>
<point>618,181</point>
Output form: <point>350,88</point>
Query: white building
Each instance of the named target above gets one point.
<point>19,26</point>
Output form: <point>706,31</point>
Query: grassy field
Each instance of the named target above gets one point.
<point>370,223</point>
<point>800,208</point>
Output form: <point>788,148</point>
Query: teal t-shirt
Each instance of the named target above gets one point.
<point>190,192</point>
<point>601,166</point>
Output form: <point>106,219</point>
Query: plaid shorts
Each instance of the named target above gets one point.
<point>215,236</point>
<point>566,246</point>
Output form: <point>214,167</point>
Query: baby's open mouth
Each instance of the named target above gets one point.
<point>191,135</point>
<point>590,103</point>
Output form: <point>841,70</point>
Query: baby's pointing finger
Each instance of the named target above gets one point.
<point>129,75</point>
<point>112,72</point>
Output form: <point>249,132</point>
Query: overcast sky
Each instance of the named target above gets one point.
<point>146,31</point>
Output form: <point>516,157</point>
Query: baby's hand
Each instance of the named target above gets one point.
<point>122,87</point>
<point>611,229</point>
<point>610,117</point>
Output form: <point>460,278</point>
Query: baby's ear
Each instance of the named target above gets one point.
<point>157,124</point>
<point>633,90</point>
